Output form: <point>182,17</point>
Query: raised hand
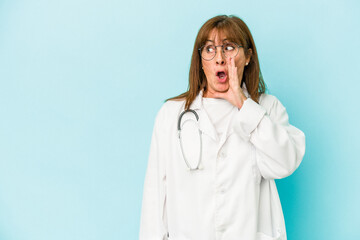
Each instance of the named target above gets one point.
<point>234,94</point>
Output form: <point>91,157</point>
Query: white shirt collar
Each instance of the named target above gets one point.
<point>198,101</point>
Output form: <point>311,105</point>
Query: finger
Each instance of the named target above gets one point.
<point>230,70</point>
<point>233,73</point>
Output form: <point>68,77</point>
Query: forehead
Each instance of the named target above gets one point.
<point>216,36</point>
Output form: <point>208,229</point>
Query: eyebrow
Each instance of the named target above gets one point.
<point>208,40</point>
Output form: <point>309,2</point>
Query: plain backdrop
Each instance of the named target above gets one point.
<point>81,82</point>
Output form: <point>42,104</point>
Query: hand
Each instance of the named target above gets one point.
<point>234,94</point>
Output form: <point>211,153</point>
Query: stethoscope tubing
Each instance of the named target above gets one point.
<point>180,139</point>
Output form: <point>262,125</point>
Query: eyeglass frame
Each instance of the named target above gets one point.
<point>222,49</point>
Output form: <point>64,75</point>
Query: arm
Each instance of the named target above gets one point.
<point>153,225</point>
<point>279,146</point>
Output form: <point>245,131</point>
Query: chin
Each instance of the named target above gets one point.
<point>222,87</point>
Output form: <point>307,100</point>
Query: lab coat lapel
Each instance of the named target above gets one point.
<point>205,123</point>
<point>229,128</point>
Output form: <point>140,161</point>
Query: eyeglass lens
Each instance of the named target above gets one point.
<point>229,49</point>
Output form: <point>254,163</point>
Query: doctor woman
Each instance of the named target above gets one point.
<point>217,148</point>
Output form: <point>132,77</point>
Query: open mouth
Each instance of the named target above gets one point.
<point>221,76</point>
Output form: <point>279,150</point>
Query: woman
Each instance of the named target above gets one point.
<point>217,182</point>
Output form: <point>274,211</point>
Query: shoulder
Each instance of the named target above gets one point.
<point>267,99</point>
<point>172,106</point>
<point>170,109</point>
<point>270,103</point>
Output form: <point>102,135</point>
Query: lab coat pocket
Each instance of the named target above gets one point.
<point>262,236</point>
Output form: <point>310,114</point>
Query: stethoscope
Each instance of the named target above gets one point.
<point>180,139</point>
<point>200,132</point>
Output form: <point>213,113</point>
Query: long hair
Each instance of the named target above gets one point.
<point>236,31</point>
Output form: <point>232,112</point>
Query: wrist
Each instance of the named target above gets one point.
<point>242,100</point>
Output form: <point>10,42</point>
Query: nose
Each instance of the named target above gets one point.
<point>219,57</point>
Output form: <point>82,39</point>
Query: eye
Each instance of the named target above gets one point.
<point>229,47</point>
<point>210,49</point>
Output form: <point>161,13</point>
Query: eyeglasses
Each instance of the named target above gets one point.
<point>229,49</point>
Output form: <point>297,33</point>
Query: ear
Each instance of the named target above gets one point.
<point>249,53</point>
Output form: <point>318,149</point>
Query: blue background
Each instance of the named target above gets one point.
<point>82,80</point>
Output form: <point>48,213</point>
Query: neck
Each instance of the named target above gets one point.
<point>208,94</point>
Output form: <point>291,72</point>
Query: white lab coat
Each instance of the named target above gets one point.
<point>233,196</point>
